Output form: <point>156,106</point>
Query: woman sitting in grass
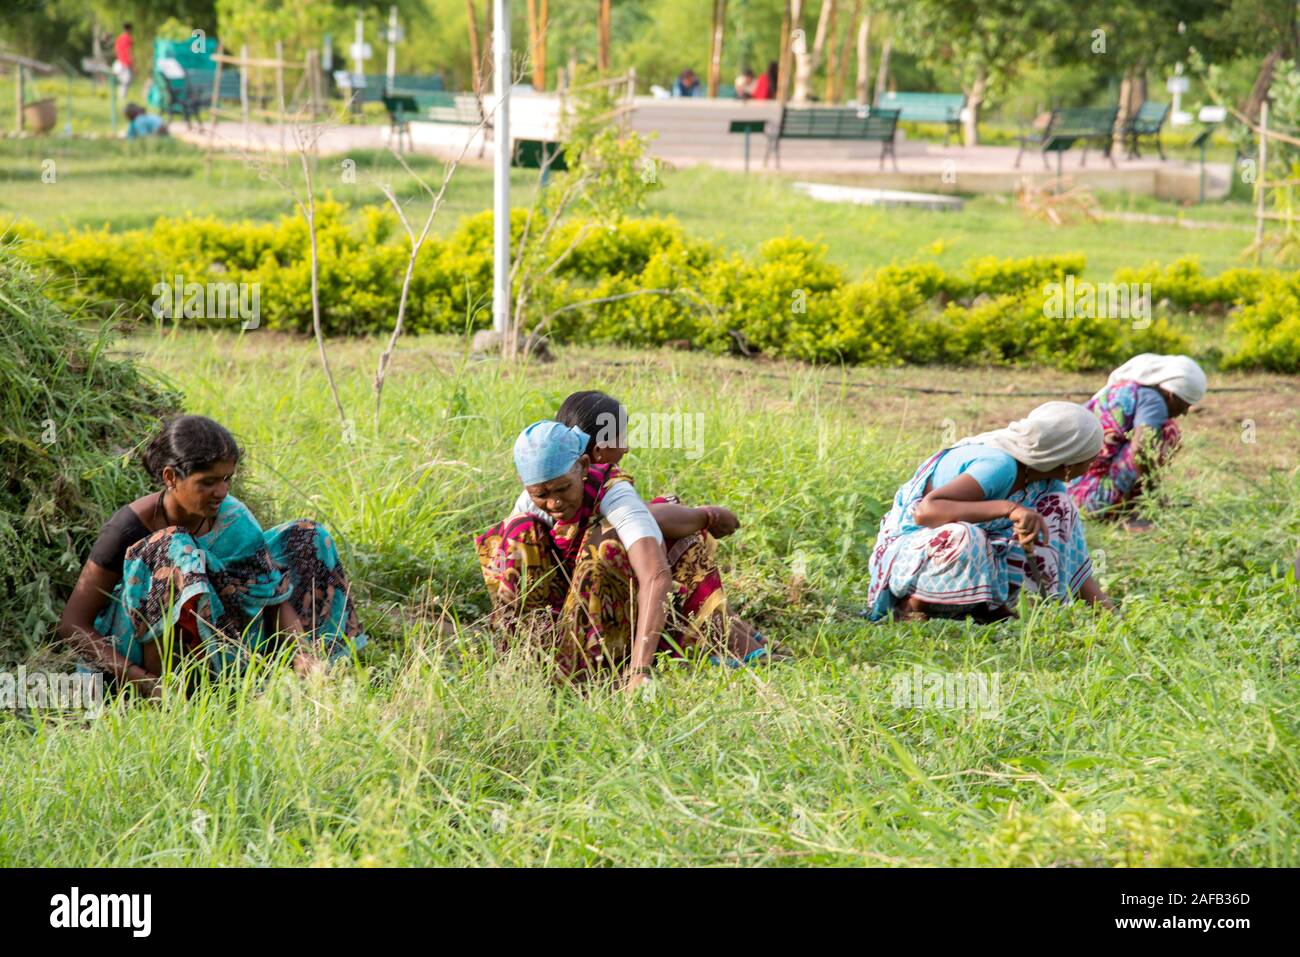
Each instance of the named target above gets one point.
<point>690,534</point>
<point>566,564</point>
<point>188,577</point>
<point>979,518</point>
<point>1137,409</point>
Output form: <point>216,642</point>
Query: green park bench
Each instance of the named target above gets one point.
<point>835,123</point>
<point>429,106</point>
<point>1147,121</point>
<point>1077,124</point>
<point>191,94</point>
<point>926,108</point>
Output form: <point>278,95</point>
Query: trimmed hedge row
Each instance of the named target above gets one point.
<point>788,301</point>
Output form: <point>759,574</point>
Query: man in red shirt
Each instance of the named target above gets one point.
<point>123,64</point>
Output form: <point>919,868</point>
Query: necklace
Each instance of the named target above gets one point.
<point>160,506</point>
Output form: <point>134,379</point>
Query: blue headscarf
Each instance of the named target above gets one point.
<point>547,449</point>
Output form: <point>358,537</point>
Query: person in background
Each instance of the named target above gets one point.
<point>765,86</point>
<point>982,519</point>
<point>141,123</point>
<point>745,84</point>
<point>1137,409</point>
<point>124,61</point>
<point>687,83</point>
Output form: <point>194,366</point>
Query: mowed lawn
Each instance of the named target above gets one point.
<point>1167,736</point>
<point>130,185</point>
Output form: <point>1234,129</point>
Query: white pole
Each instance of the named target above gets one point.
<point>392,46</point>
<point>358,63</point>
<point>501,173</point>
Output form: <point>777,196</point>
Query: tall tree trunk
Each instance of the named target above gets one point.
<point>799,49</point>
<point>813,60</point>
<point>788,24</point>
<point>882,74</point>
<point>862,91</point>
<point>1263,80</point>
<point>715,50</point>
<point>602,37</point>
<point>475,55</point>
<point>537,24</point>
<point>832,56</point>
<point>848,29</point>
<point>974,100</point>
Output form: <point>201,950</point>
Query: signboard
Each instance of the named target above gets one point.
<point>1178,84</point>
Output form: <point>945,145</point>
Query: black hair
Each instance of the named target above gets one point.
<point>591,411</point>
<point>127,27</point>
<point>189,444</point>
<point>133,110</point>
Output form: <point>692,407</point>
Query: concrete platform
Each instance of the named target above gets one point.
<point>690,132</point>
<point>861,196</point>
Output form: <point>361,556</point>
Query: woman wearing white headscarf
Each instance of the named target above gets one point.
<point>1136,409</point>
<point>979,518</point>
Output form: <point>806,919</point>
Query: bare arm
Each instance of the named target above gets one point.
<point>962,500</point>
<point>653,583</point>
<point>76,627</point>
<point>678,521</point>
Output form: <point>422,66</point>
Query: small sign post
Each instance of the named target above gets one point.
<point>747,127</point>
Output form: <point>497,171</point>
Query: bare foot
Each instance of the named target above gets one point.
<point>1137,525</point>
<point>911,608</point>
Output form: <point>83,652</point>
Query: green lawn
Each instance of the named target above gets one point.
<point>1169,736</point>
<point>130,185</point>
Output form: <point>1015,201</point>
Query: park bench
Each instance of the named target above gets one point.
<point>190,94</point>
<point>430,106</point>
<point>1068,125</point>
<point>835,123</point>
<point>926,108</point>
<point>1147,121</point>
<point>372,87</point>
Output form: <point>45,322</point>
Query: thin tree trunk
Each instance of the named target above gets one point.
<point>832,56</point>
<point>602,37</point>
<point>783,62</point>
<point>862,91</point>
<point>1263,80</point>
<point>974,100</point>
<point>882,74</point>
<point>801,54</point>
<point>539,58</point>
<point>715,52</point>
<point>475,55</point>
<point>847,30</point>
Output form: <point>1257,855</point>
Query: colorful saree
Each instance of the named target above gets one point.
<point>1115,476</point>
<point>211,590</point>
<point>974,569</point>
<point>571,588</point>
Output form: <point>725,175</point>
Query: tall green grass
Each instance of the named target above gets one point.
<point>70,413</point>
<point>1165,737</point>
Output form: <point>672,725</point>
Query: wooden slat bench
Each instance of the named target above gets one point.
<point>430,106</point>
<point>1083,124</point>
<point>1147,121</point>
<point>926,108</point>
<point>192,94</point>
<point>835,123</point>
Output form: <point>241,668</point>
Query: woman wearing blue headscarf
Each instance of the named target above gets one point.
<point>587,556</point>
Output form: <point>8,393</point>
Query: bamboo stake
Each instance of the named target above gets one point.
<point>1260,216</point>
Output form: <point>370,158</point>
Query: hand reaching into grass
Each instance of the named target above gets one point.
<point>724,521</point>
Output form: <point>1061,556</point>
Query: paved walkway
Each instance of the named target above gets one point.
<point>693,140</point>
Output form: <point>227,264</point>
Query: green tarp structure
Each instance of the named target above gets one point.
<point>182,51</point>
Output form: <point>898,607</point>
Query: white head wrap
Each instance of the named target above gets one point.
<point>1179,374</point>
<point>1054,434</point>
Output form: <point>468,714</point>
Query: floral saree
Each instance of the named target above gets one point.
<point>1115,476</point>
